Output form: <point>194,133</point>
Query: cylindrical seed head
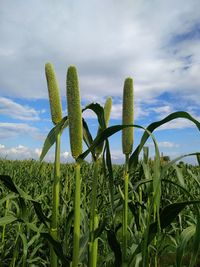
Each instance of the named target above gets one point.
<point>107,111</point>
<point>127,116</point>
<point>74,112</point>
<point>54,94</point>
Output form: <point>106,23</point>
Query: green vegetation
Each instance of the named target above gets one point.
<point>143,213</point>
<point>56,115</point>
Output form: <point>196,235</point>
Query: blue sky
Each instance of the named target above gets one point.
<point>155,42</point>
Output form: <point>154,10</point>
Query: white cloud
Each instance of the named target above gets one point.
<point>165,144</point>
<point>162,111</point>
<point>145,46</point>
<point>116,112</point>
<point>23,152</point>
<point>10,130</point>
<point>14,110</point>
<point>177,124</point>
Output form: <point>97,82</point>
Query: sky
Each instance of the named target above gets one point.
<point>157,43</point>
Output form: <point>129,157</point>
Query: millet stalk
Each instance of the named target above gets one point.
<point>127,145</point>
<point>56,115</point>
<point>76,136</point>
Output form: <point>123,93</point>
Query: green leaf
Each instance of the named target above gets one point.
<point>25,247</point>
<point>167,215</point>
<point>179,175</point>
<point>185,236</point>
<point>198,158</point>
<point>40,214</point>
<point>179,114</point>
<point>10,196</point>
<point>115,247</point>
<point>58,249</point>
<point>98,109</point>
<point>87,137</point>
<point>52,135</point>
<point>104,135</point>
<point>7,219</point>
<point>196,243</point>
<point>110,174</point>
<point>7,181</point>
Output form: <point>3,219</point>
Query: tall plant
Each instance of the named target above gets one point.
<point>76,136</point>
<point>93,242</point>
<point>127,146</point>
<point>56,116</point>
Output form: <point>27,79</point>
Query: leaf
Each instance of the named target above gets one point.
<point>7,181</point>
<point>25,247</point>
<point>87,137</point>
<point>179,175</point>
<point>110,173</point>
<point>10,196</point>
<point>167,215</point>
<point>104,135</point>
<point>179,114</point>
<point>100,229</point>
<point>40,214</point>
<point>185,236</point>
<point>52,135</point>
<point>7,219</point>
<point>196,243</point>
<point>198,158</point>
<point>115,247</point>
<point>98,109</point>
<point>58,249</point>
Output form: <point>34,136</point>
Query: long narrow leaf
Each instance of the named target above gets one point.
<point>179,114</point>
<point>52,135</point>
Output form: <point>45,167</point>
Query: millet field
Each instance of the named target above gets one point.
<point>145,212</point>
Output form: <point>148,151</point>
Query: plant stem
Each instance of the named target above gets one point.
<point>125,212</point>
<point>4,227</point>
<point>55,204</point>
<point>76,237</point>
<point>93,244</point>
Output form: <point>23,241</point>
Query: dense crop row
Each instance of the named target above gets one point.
<point>23,245</point>
<point>143,213</point>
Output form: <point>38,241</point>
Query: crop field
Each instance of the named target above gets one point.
<point>24,240</point>
<point>145,212</point>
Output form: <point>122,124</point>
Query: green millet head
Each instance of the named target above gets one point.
<point>74,112</point>
<point>127,116</point>
<point>107,111</point>
<point>54,94</point>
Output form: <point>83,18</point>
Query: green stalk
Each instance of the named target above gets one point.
<point>4,227</point>
<point>55,204</point>
<point>127,145</point>
<point>125,212</point>
<point>76,236</point>
<point>76,136</point>
<point>56,116</point>
<point>93,243</point>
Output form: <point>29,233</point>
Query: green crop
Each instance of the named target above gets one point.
<point>54,94</point>
<point>74,112</point>
<point>143,213</point>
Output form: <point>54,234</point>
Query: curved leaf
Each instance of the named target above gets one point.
<point>179,114</point>
<point>52,135</point>
<point>7,219</point>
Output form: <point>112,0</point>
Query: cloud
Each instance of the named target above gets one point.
<point>14,110</point>
<point>177,124</point>
<point>165,144</point>
<point>23,152</point>
<point>146,46</point>
<point>116,112</point>
<point>10,130</point>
